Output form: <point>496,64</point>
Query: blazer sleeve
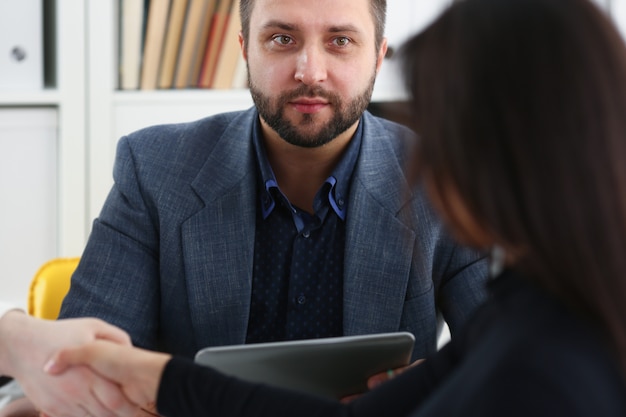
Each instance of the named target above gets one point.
<point>463,283</point>
<point>117,277</point>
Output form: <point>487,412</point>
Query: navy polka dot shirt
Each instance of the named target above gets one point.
<point>297,286</point>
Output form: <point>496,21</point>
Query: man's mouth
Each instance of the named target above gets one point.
<point>308,105</point>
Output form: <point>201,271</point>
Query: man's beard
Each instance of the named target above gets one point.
<point>304,134</point>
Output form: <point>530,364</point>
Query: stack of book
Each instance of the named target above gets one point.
<point>168,44</point>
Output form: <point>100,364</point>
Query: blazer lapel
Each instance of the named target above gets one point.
<point>379,245</point>
<point>218,240</point>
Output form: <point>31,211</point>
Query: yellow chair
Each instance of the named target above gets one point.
<point>49,286</point>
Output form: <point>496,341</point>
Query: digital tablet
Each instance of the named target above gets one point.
<point>332,367</point>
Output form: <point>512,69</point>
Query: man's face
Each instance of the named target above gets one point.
<point>312,66</point>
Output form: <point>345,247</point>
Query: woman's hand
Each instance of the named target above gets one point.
<point>137,371</point>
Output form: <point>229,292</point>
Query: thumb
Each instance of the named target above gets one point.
<point>102,356</point>
<point>64,359</point>
<point>105,331</point>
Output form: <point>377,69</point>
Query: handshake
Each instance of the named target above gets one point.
<point>88,368</point>
<point>76,368</point>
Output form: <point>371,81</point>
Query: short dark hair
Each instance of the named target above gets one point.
<point>521,109</point>
<point>378,8</point>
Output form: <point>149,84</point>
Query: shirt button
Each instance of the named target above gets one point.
<point>306,234</point>
<point>301,299</point>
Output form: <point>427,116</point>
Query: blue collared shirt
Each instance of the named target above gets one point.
<point>297,287</point>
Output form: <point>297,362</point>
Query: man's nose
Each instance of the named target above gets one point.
<point>311,66</point>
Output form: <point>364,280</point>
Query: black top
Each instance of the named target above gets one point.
<point>522,354</point>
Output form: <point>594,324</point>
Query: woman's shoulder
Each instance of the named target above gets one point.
<point>532,349</point>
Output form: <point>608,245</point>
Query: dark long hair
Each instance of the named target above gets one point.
<point>521,109</point>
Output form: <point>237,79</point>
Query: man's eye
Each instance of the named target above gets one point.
<point>283,39</point>
<point>342,41</point>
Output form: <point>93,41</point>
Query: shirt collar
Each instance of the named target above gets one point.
<point>338,182</point>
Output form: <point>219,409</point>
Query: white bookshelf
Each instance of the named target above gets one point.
<point>67,97</point>
<point>72,121</point>
<point>43,139</point>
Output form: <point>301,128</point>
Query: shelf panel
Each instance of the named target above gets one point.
<point>29,98</point>
<point>189,96</point>
<point>133,110</point>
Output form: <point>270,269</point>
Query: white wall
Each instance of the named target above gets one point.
<point>617,10</point>
<point>404,18</point>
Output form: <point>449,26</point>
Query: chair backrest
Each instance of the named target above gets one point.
<point>49,286</point>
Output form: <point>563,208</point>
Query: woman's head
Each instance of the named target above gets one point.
<point>521,109</point>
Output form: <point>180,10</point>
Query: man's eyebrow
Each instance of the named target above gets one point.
<point>277,24</point>
<point>343,28</point>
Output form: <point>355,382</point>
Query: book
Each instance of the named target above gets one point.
<point>21,45</point>
<point>230,51</point>
<point>156,27</point>
<point>202,42</point>
<point>198,12</point>
<point>214,43</point>
<point>131,43</point>
<point>176,20</point>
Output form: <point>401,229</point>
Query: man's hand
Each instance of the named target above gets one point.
<point>27,343</point>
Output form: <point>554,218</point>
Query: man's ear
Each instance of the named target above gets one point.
<point>242,44</point>
<point>381,54</point>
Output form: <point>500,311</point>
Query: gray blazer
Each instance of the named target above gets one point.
<point>170,258</point>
